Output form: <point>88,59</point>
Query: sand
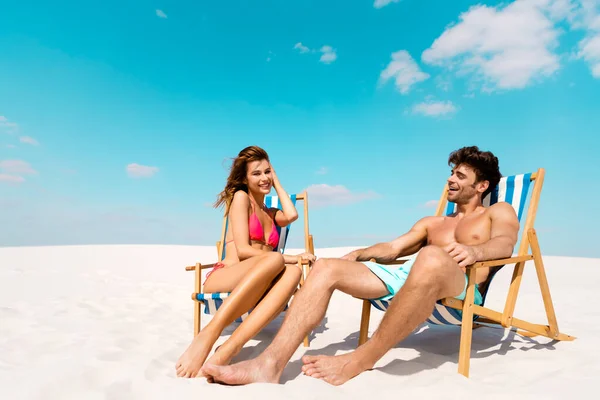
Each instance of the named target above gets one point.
<point>109,322</point>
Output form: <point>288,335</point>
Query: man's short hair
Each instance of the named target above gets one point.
<point>484,163</point>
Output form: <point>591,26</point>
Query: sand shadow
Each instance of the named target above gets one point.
<point>265,337</point>
<point>436,346</point>
<point>440,345</point>
<point>294,368</point>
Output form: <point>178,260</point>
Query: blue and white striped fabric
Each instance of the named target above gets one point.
<point>213,301</point>
<point>273,202</point>
<point>511,189</point>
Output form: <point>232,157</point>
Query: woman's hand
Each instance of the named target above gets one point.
<point>276,183</point>
<point>289,259</point>
<point>289,214</point>
<point>307,256</point>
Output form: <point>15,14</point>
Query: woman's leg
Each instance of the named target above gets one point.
<point>249,280</point>
<point>270,306</point>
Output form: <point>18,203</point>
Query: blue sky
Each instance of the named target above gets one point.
<point>118,119</point>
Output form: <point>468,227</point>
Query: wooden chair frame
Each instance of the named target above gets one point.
<point>529,241</point>
<point>303,265</point>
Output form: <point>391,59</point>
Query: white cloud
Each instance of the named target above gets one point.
<point>140,171</point>
<point>383,3</point>
<point>506,47</point>
<point>322,171</point>
<point>161,14</point>
<point>329,55</point>
<point>5,123</point>
<point>431,204</point>
<point>434,108</point>
<point>589,50</point>
<point>322,195</point>
<point>443,83</point>
<point>28,140</point>
<point>10,146</point>
<point>301,48</point>
<point>328,58</point>
<point>587,17</point>
<point>17,167</point>
<point>11,178</point>
<point>404,70</point>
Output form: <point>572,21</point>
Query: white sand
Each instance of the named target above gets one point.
<point>109,322</point>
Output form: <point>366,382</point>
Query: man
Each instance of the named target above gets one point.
<point>445,246</point>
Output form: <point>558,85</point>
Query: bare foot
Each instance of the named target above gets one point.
<point>223,354</point>
<point>334,370</point>
<point>191,360</point>
<point>260,369</point>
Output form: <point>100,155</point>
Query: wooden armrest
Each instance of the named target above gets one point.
<point>193,267</point>
<point>495,263</point>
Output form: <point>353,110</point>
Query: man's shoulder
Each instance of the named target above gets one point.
<point>430,220</point>
<point>501,209</point>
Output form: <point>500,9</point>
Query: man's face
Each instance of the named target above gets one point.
<point>462,185</point>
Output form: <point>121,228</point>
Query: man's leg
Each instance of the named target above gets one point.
<point>306,311</point>
<point>434,275</point>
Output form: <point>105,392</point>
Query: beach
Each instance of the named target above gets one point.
<point>110,321</point>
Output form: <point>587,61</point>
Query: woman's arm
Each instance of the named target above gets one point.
<point>288,259</point>
<point>238,220</point>
<point>289,213</point>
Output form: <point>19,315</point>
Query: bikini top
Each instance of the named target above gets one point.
<point>256,231</point>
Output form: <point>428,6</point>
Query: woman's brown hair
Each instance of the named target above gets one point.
<point>237,174</point>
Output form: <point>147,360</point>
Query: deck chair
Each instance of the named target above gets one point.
<point>213,301</point>
<point>450,311</point>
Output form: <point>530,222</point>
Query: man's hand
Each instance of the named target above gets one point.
<point>352,256</point>
<point>463,255</point>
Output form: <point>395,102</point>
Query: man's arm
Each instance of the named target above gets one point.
<point>407,244</point>
<point>503,238</point>
<point>504,234</point>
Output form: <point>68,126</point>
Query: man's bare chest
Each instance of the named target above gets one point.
<point>470,230</point>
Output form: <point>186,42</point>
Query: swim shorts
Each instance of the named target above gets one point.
<point>394,277</point>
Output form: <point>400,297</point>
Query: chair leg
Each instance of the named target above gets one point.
<point>466,332</point>
<point>364,322</point>
<point>197,317</point>
<point>305,271</point>
<point>197,305</point>
<point>543,281</point>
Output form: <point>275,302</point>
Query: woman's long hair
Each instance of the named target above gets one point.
<point>237,174</point>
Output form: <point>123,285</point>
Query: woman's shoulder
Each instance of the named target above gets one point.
<point>241,195</point>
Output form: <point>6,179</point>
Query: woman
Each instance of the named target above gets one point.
<point>251,270</point>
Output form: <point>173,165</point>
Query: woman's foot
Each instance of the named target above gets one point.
<point>223,354</point>
<point>193,358</point>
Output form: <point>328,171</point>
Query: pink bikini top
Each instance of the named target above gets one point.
<point>256,231</point>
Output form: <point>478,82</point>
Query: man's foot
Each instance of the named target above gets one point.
<point>260,369</point>
<point>334,370</point>
<point>223,354</point>
<point>191,360</point>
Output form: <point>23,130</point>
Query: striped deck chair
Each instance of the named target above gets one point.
<point>213,301</point>
<point>450,311</point>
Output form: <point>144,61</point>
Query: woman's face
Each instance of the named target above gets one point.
<point>258,177</point>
